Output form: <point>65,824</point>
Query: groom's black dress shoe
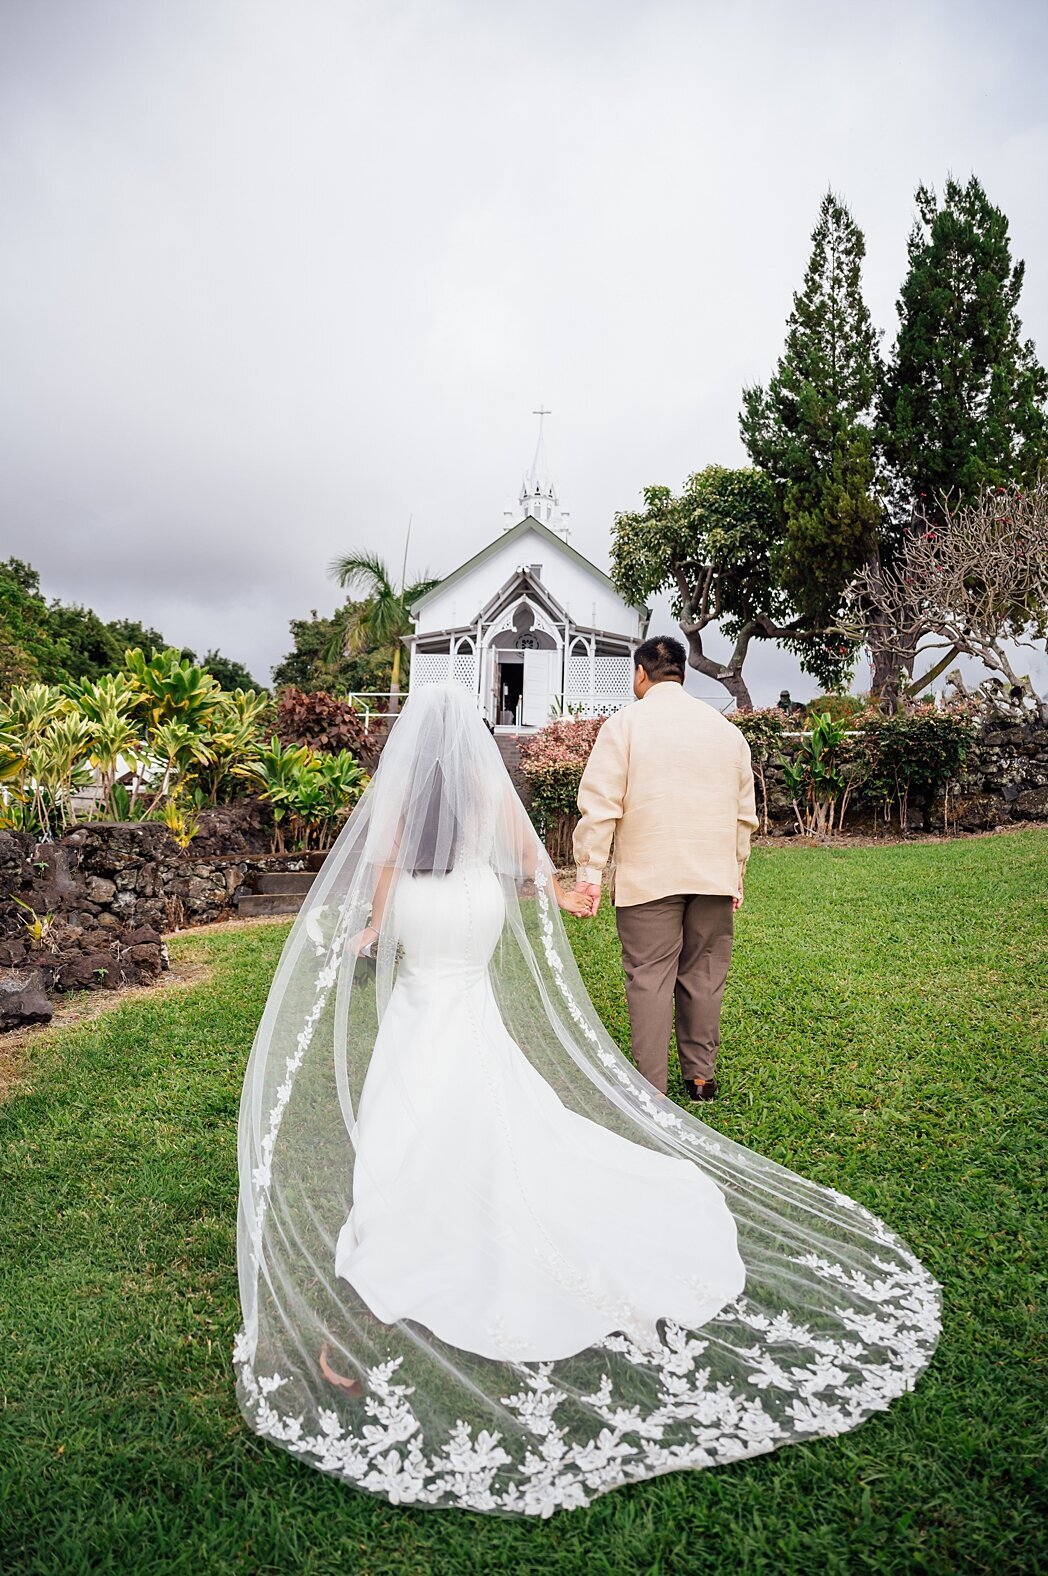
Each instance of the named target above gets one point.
<point>700,1088</point>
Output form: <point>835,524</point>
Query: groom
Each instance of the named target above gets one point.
<point>671,781</point>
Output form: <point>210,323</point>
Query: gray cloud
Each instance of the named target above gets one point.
<point>275,277</point>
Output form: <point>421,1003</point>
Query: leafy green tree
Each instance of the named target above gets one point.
<point>56,642</point>
<point>89,647</point>
<point>381,621</point>
<point>129,632</point>
<point>231,675</point>
<point>963,403</point>
<point>17,663</point>
<point>713,549</point>
<point>812,429</point>
<point>319,661</point>
<point>26,649</point>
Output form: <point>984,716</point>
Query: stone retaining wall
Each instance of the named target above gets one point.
<point>104,894</point>
<point>1005,780</point>
<point>1006,777</point>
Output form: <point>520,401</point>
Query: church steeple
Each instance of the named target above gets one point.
<point>538,493</point>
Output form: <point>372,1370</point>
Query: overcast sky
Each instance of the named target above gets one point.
<point>276,276</point>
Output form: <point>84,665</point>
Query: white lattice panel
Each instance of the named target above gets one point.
<point>429,667</point>
<point>613,676</point>
<point>578,675</point>
<point>465,669</point>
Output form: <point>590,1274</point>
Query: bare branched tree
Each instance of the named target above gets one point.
<point>972,583</point>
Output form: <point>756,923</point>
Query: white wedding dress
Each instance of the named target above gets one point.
<point>483,1264</point>
<point>483,1208</point>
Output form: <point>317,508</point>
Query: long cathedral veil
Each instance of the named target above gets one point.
<point>837,1318</point>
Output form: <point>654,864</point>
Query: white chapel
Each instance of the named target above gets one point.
<point>528,624</point>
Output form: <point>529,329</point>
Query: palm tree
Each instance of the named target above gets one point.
<point>383,618</point>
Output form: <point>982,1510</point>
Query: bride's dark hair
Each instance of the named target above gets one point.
<point>437,838</point>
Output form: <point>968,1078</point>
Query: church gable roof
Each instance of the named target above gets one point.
<point>521,581</point>
<point>522,528</point>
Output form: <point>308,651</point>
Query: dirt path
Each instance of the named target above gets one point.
<point>82,1008</point>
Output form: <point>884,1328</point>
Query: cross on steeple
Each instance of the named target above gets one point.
<point>538,493</point>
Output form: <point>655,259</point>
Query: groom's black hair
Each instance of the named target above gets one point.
<point>661,657</point>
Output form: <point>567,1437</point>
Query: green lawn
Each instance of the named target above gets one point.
<point>881,1035</point>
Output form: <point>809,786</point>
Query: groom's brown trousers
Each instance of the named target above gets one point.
<point>676,950</point>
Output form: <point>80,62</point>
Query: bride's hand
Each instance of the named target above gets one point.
<point>363,939</point>
<point>574,902</point>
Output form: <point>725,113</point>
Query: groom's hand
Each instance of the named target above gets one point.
<point>737,900</point>
<point>590,890</point>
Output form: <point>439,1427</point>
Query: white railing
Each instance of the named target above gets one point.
<point>364,701</point>
<point>589,706</point>
<point>598,705</point>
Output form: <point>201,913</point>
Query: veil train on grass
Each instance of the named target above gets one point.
<point>829,1319</point>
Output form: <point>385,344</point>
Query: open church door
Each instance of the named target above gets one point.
<point>540,686</point>
<point>489,679</point>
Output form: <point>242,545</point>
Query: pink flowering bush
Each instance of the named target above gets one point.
<point>552,761</point>
<point>566,742</point>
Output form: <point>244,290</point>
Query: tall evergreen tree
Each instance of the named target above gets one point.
<point>811,429</point>
<point>963,403</point>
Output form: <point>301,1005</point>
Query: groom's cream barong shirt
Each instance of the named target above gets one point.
<point>670,779</point>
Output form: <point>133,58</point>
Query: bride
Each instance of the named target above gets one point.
<point>482,1262</point>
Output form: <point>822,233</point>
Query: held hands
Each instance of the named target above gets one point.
<point>590,890</point>
<point>582,902</point>
<point>577,902</point>
<point>574,903</point>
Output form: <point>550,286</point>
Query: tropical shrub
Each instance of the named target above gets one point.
<point>913,757</point>
<point>44,745</point>
<point>169,687</point>
<point>323,721</point>
<point>311,794</point>
<point>825,770</point>
<point>181,821</point>
<point>115,733</point>
<point>232,733</point>
<point>159,739</point>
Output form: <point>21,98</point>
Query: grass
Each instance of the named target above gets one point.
<point>881,1034</point>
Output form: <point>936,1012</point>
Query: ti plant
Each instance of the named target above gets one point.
<point>168,687</point>
<point>182,822</point>
<point>39,927</point>
<point>310,794</point>
<point>820,778</point>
